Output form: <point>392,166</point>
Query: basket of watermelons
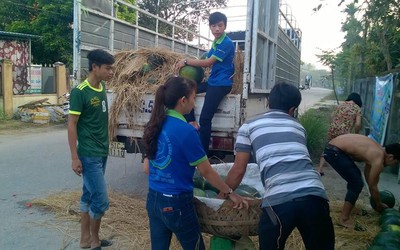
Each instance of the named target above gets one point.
<point>217,216</point>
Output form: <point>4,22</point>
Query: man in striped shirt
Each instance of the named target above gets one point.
<point>294,195</point>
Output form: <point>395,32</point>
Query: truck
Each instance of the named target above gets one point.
<point>270,43</point>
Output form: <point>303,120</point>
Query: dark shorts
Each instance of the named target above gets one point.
<point>309,214</point>
<point>347,169</point>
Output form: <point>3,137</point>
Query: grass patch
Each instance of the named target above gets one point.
<point>316,123</point>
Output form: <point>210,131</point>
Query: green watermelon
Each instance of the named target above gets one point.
<point>389,219</point>
<point>199,193</point>
<point>386,197</point>
<point>198,179</point>
<point>390,228</point>
<point>247,191</point>
<point>244,243</point>
<point>210,193</point>
<point>390,211</point>
<point>387,239</point>
<point>155,60</point>
<point>193,73</point>
<point>146,68</point>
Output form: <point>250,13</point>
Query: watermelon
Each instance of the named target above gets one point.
<point>390,228</point>
<point>198,180</point>
<point>211,193</point>
<point>387,239</point>
<point>192,73</point>
<point>389,219</point>
<point>199,193</point>
<point>244,243</point>
<point>386,197</point>
<point>390,211</point>
<point>220,243</point>
<point>155,60</point>
<point>146,68</point>
<point>247,191</point>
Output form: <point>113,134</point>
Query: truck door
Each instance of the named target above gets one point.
<point>261,45</point>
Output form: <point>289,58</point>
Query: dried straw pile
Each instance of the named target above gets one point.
<point>133,78</point>
<point>126,223</point>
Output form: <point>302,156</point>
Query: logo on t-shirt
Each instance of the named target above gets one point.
<point>164,152</point>
<point>95,101</point>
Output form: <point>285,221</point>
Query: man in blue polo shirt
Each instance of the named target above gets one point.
<point>221,60</point>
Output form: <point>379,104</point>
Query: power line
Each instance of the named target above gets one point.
<point>36,9</point>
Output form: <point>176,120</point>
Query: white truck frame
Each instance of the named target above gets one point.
<point>271,54</point>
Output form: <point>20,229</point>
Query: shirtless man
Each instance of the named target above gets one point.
<point>341,153</point>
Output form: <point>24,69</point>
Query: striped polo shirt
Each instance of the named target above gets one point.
<point>278,144</point>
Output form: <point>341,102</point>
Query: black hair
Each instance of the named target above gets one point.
<point>284,96</point>
<point>99,57</point>
<point>167,97</point>
<point>393,149</point>
<point>217,17</point>
<point>356,98</point>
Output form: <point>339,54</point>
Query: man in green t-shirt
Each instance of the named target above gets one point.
<point>88,125</point>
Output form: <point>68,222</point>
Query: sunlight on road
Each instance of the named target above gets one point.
<point>311,97</point>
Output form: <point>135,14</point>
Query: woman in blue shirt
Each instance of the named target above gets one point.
<point>172,152</point>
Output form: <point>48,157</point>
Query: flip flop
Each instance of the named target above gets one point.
<point>321,173</point>
<point>96,248</point>
<point>103,243</point>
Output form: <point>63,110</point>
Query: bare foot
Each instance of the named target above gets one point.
<point>348,223</point>
<point>85,243</point>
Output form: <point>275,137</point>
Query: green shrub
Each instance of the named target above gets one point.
<point>3,115</point>
<point>316,123</point>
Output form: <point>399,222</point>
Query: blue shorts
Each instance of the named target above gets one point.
<point>94,198</point>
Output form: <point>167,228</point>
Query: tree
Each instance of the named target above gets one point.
<point>126,13</point>
<point>185,13</point>
<point>49,19</point>
<point>328,58</point>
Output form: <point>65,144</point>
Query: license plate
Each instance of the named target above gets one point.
<point>117,149</point>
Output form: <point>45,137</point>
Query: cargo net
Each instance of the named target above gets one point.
<point>218,217</point>
<point>141,71</point>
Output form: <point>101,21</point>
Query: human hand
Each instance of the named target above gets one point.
<point>380,207</point>
<point>77,166</point>
<point>239,201</point>
<point>179,65</point>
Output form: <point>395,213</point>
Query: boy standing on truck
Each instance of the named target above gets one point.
<point>221,60</point>
<point>88,124</point>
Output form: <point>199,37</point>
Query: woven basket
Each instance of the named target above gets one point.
<point>228,221</point>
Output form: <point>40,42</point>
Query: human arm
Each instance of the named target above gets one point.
<point>146,165</point>
<point>215,180</point>
<point>196,62</point>
<point>236,173</point>
<point>357,124</point>
<point>72,141</point>
<point>372,172</point>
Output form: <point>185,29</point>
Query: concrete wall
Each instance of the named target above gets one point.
<point>10,102</point>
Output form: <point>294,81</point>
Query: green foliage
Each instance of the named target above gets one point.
<point>50,19</point>
<point>316,123</point>
<point>3,115</point>
<point>126,13</point>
